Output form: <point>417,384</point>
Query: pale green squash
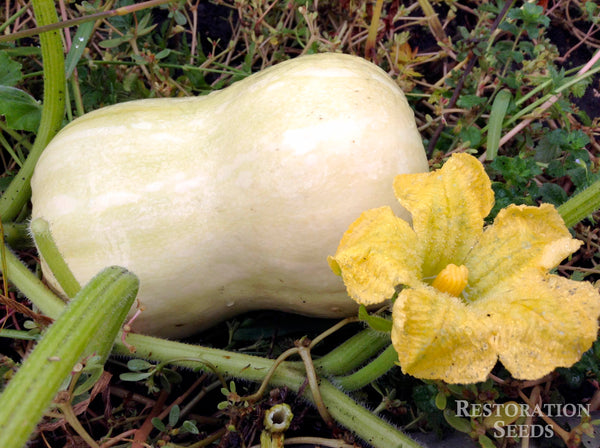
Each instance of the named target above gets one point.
<point>232,201</point>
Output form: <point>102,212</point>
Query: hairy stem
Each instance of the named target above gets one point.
<point>341,407</point>
<point>48,250</point>
<point>352,353</point>
<point>376,368</point>
<point>18,192</point>
<point>31,286</point>
<point>582,205</point>
<point>108,296</point>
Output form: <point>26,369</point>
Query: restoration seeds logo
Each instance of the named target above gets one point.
<point>505,418</point>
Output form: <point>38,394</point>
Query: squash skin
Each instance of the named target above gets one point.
<point>232,201</point>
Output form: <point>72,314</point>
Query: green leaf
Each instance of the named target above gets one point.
<point>10,71</point>
<point>171,376</point>
<point>456,389</point>
<point>162,54</point>
<point>143,28</point>
<point>179,18</point>
<point>592,10</point>
<point>139,59</point>
<point>158,424</point>
<point>533,18</point>
<point>223,405</point>
<point>190,426</point>
<point>441,401</point>
<point>375,322</point>
<point>458,423</point>
<point>472,135</point>
<point>516,170</point>
<point>579,176</point>
<point>553,194</point>
<point>577,139</point>
<point>578,89</point>
<point>509,26</point>
<point>135,365</point>
<point>499,108</point>
<point>80,41</point>
<point>174,416</point>
<point>21,110</point>
<point>135,376</point>
<point>470,101</point>
<point>486,442</point>
<point>517,56</point>
<point>112,43</point>
<point>554,142</point>
<point>550,146</point>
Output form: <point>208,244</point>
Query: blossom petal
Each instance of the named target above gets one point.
<point>521,238</point>
<point>437,336</point>
<point>543,322</point>
<point>448,207</point>
<point>376,254</point>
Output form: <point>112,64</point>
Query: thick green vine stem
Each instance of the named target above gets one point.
<point>16,235</point>
<point>352,353</point>
<point>19,190</point>
<point>373,370</point>
<point>341,407</point>
<point>581,205</point>
<point>31,286</point>
<point>49,251</point>
<point>106,298</point>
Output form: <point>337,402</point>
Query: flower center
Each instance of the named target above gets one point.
<point>452,279</point>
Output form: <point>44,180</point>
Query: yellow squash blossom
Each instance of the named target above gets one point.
<point>470,295</point>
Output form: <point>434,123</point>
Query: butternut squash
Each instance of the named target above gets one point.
<point>232,201</point>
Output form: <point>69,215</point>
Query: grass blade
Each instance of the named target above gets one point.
<point>497,115</point>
